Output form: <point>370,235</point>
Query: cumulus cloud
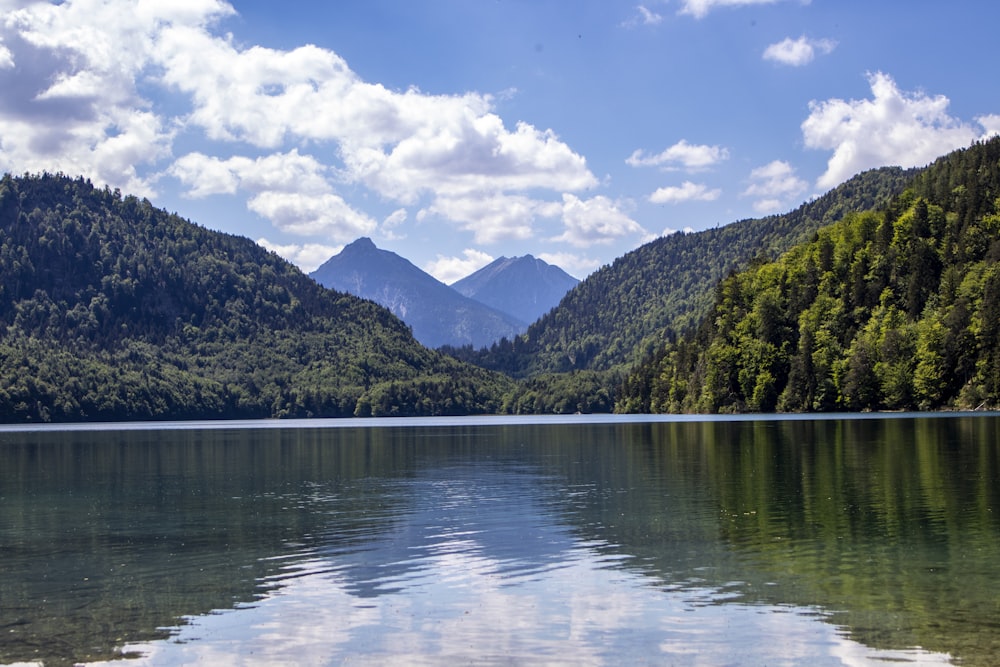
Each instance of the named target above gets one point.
<point>495,217</point>
<point>649,17</point>
<point>207,175</point>
<point>990,123</point>
<point>578,266</point>
<point>798,52</point>
<point>105,89</point>
<point>643,16</point>
<point>595,220</point>
<point>400,144</point>
<point>288,189</point>
<point>504,217</point>
<point>773,186</point>
<point>690,157</point>
<point>391,223</point>
<point>687,191</point>
<point>326,215</point>
<point>700,8</point>
<point>6,57</point>
<point>480,156</point>
<point>451,269</point>
<point>73,103</point>
<point>893,128</point>
<point>307,256</point>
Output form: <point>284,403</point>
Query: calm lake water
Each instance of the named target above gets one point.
<point>492,541</point>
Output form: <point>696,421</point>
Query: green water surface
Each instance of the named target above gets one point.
<point>769,541</point>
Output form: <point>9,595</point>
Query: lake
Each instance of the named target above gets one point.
<point>575,540</point>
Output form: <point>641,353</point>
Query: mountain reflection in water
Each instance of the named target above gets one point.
<point>713,542</point>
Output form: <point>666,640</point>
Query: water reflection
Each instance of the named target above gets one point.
<point>584,613</point>
<point>800,542</point>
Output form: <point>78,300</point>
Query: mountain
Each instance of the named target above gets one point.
<point>438,314</point>
<point>891,309</point>
<point>112,309</point>
<point>524,287</point>
<point>622,311</point>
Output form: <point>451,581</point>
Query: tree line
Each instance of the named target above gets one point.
<point>890,309</point>
<point>113,309</point>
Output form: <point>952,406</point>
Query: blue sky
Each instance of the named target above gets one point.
<point>454,132</point>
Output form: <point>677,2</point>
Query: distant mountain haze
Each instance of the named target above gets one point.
<point>525,287</point>
<point>438,314</point>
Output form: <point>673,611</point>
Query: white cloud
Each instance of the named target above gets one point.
<point>206,175</point>
<point>308,256</point>
<point>594,220</point>
<point>395,219</point>
<point>391,223</point>
<point>326,215</point>
<point>691,157</point>
<point>478,156</point>
<point>670,231</point>
<point>74,105</point>
<point>990,123</point>
<point>400,144</point>
<point>288,189</point>
<point>893,128</point>
<point>451,269</point>
<point>644,16</point>
<point>286,172</point>
<point>107,148</point>
<point>575,265</point>
<point>6,57</point>
<point>767,206</point>
<point>113,83</point>
<point>774,185</point>
<point>700,8</point>
<point>687,191</point>
<point>798,52</point>
<point>649,17</point>
<point>493,218</point>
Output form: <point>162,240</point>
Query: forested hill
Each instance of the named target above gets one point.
<point>617,314</point>
<point>891,309</point>
<point>112,309</point>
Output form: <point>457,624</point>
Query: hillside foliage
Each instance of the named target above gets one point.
<point>113,309</point>
<point>890,309</point>
<point>883,298</point>
<point>619,313</point>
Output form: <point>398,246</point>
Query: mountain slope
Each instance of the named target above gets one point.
<point>620,313</point>
<point>524,287</point>
<point>112,309</point>
<point>438,314</point>
<point>894,309</point>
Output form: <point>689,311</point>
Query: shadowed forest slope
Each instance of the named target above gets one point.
<point>112,309</point>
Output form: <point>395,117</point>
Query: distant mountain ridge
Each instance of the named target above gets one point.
<point>438,314</point>
<point>525,287</point>
<point>621,312</point>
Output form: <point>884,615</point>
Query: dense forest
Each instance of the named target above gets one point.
<point>112,309</point>
<point>886,296</point>
<point>888,309</point>
<point>618,314</point>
